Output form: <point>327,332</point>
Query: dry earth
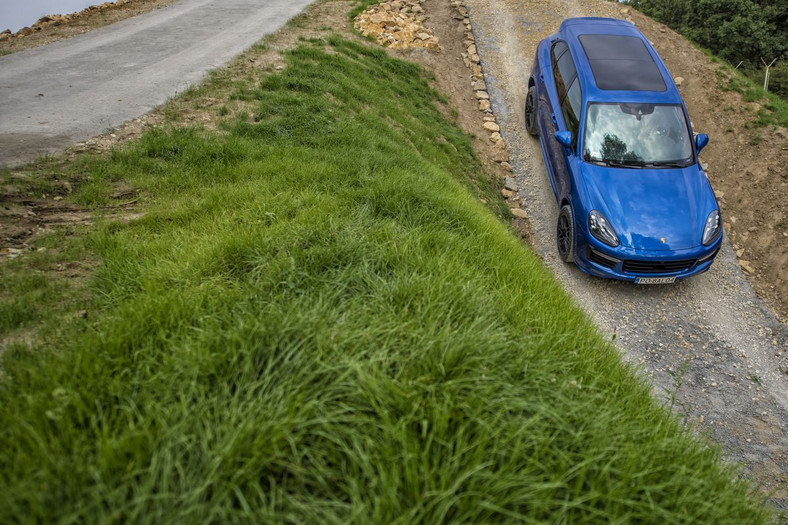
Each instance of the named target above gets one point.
<point>708,341</point>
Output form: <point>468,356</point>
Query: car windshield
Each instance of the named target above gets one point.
<point>637,135</point>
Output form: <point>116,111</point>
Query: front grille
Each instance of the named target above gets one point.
<point>602,259</point>
<point>658,266</point>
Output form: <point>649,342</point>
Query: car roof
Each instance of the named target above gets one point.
<point>615,61</point>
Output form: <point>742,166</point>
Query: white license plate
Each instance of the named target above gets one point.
<point>655,280</point>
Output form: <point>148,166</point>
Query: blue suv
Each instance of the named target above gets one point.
<point>619,150</point>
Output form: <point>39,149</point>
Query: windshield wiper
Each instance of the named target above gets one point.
<point>622,163</point>
<point>670,164</point>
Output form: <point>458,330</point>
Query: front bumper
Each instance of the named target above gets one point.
<point>598,259</point>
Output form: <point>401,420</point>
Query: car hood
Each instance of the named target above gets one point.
<point>652,209</point>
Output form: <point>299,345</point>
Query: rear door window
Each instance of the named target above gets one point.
<point>568,87</point>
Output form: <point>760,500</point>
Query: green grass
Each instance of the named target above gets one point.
<point>317,321</point>
<point>360,6</point>
<point>773,109</point>
<point>30,293</point>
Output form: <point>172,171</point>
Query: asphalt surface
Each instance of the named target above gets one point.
<point>63,93</point>
<point>711,349</point>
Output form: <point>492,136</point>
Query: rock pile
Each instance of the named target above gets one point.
<point>500,153</point>
<point>397,24</point>
<point>56,20</point>
<point>472,61</point>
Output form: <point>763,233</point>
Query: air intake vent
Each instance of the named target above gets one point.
<point>658,266</point>
<point>602,259</point>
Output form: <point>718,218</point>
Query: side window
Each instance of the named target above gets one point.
<point>566,68</point>
<point>567,86</point>
<point>570,108</point>
<point>559,51</point>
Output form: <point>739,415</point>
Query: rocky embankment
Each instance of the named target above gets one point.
<point>400,25</point>
<point>397,24</point>
<point>57,20</point>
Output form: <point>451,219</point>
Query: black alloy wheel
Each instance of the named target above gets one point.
<point>565,234</point>
<point>530,111</point>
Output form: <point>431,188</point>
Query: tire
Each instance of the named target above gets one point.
<point>565,234</point>
<point>530,111</point>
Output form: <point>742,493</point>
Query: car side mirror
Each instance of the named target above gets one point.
<point>564,138</point>
<point>700,141</point>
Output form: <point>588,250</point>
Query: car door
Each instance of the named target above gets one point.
<point>545,117</point>
<point>570,111</point>
<point>565,116</point>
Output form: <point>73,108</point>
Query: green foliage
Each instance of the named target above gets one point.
<point>736,30</point>
<point>32,290</point>
<point>316,321</point>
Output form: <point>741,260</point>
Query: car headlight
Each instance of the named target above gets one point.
<point>601,229</point>
<point>712,230</point>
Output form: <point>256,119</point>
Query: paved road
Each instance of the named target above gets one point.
<point>56,95</point>
<point>709,341</point>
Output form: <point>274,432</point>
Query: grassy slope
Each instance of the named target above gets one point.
<point>318,321</point>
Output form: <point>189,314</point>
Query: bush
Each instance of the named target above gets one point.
<point>736,30</point>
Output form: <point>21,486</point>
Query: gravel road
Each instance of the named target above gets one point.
<point>56,95</point>
<point>708,345</point>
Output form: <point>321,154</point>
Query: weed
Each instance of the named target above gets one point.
<point>298,21</point>
<point>678,381</point>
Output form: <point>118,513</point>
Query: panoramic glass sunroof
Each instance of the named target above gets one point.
<point>621,63</point>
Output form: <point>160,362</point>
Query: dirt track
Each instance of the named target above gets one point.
<point>710,339</point>
<point>53,96</point>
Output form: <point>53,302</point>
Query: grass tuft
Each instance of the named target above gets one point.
<point>773,110</point>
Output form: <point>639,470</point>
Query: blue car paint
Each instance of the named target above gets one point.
<point>658,214</point>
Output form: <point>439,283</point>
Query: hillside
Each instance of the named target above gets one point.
<point>302,303</point>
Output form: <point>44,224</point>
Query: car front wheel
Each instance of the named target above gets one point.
<point>565,233</point>
<point>530,111</point>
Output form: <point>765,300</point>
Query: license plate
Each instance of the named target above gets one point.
<point>655,280</point>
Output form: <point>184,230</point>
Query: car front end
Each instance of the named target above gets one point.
<point>649,226</point>
<point>642,266</point>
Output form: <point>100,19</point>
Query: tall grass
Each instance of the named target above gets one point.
<point>317,321</point>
